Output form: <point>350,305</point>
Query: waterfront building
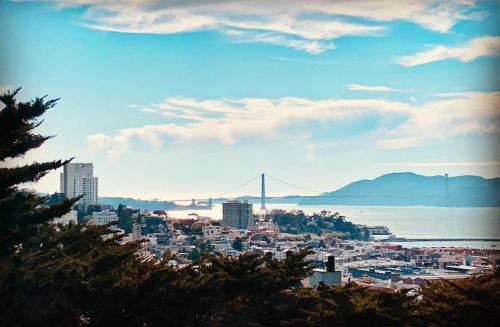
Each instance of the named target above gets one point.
<point>375,230</point>
<point>78,179</point>
<point>237,214</point>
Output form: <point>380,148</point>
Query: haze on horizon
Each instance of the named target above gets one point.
<point>189,99</point>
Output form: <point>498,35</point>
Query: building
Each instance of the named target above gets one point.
<point>103,217</point>
<point>211,232</point>
<point>237,214</point>
<point>136,232</point>
<point>78,179</point>
<point>66,218</point>
<point>327,275</point>
<point>375,230</point>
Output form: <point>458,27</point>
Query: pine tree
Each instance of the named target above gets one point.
<point>21,211</point>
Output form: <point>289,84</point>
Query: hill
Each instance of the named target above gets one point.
<point>413,189</point>
<point>142,204</point>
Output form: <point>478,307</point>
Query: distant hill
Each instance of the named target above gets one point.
<point>413,189</point>
<point>139,204</point>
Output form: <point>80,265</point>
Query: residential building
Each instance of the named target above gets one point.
<point>211,232</point>
<point>78,179</point>
<point>136,232</point>
<point>237,214</point>
<point>103,217</point>
<point>327,275</point>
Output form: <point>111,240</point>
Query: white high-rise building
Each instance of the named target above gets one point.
<point>78,179</point>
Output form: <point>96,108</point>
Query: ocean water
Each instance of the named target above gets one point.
<point>407,222</point>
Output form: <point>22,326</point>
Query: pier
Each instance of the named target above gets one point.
<point>442,240</point>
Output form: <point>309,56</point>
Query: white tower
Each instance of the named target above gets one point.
<point>78,179</point>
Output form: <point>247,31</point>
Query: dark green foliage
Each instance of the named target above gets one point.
<point>55,198</point>
<point>237,244</point>
<point>295,222</point>
<point>22,212</point>
<point>470,302</point>
<point>126,217</point>
<point>194,255</point>
<point>17,122</point>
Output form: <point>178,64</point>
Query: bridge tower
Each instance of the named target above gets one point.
<point>263,194</point>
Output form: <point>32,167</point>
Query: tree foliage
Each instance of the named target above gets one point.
<point>23,211</point>
<point>325,222</point>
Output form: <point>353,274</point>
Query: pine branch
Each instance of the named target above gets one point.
<point>17,122</point>
<point>9,177</point>
<point>22,214</point>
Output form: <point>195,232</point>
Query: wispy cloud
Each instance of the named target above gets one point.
<point>477,47</point>
<point>311,46</point>
<point>358,87</point>
<point>303,25</point>
<point>229,120</point>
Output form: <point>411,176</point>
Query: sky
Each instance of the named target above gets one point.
<point>182,99</point>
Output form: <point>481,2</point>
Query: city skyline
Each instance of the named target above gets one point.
<point>174,100</point>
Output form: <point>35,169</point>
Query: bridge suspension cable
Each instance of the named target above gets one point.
<point>256,177</point>
<point>293,185</point>
<point>239,186</point>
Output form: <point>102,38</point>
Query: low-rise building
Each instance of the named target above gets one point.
<point>136,232</point>
<point>211,232</point>
<point>103,217</point>
<point>326,275</point>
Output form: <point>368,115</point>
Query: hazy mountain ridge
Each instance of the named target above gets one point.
<point>410,184</point>
<point>413,189</point>
<point>142,204</point>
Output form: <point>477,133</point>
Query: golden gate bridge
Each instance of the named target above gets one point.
<point>262,196</point>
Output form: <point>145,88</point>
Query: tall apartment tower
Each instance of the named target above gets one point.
<point>237,214</point>
<point>78,179</point>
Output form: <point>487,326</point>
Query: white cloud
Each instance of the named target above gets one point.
<point>230,120</point>
<point>99,140</point>
<point>477,47</point>
<point>5,88</point>
<point>358,87</point>
<point>311,46</point>
<point>303,25</point>
<point>467,113</point>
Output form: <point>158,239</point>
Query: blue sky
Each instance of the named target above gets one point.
<point>179,99</point>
